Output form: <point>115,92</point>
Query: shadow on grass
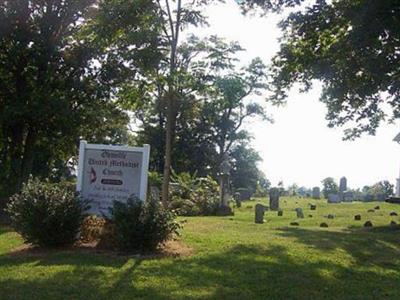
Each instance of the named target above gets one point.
<point>378,246</point>
<point>238,272</point>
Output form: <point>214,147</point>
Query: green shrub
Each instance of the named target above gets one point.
<point>154,179</point>
<point>193,196</point>
<point>47,214</point>
<point>142,226</point>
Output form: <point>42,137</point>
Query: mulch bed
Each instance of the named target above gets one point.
<point>172,248</point>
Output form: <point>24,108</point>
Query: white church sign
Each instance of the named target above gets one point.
<point>111,173</point>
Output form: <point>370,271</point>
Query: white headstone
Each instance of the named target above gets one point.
<point>111,173</point>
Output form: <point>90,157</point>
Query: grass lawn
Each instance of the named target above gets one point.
<point>233,258</point>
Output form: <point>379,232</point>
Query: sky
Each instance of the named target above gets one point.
<point>299,147</point>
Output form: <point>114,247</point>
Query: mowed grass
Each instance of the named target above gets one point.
<point>233,258</point>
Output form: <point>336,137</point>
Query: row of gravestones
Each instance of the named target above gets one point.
<point>344,195</point>
<point>261,209</point>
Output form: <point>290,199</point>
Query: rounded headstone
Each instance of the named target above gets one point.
<point>313,207</point>
<point>357,217</point>
<point>368,224</point>
<point>393,214</point>
<point>377,207</point>
<point>323,225</point>
<point>294,224</point>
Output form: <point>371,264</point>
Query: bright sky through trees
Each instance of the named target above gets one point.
<point>299,147</point>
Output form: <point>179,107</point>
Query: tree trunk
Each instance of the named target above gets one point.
<point>171,114</point>
<point>15,157</point>
<point>27,160</point>
<point>168,150</point>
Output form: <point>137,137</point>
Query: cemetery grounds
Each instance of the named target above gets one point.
<point>227,258</point>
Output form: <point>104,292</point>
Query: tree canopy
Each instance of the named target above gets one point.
<point>57,79</point>
<point>352,47</point>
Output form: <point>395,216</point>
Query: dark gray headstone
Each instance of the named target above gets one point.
<point>323,225</point>
<point>393,213</point>
<point>316,193</point>
<point>280,213</point>
<point>274,199</point>
<point>368,224</point>
<point>357,217</point>
<point>294,224</point>
<point>313,207</point>
<point>348,196</point>
<point>343,185</point>
<point>259,217</point>
<point>300,213</point>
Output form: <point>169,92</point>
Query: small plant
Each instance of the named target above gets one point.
<point>142,226</point>
<point>47,214</point>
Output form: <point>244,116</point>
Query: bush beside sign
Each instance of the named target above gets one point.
<point>111,173</point>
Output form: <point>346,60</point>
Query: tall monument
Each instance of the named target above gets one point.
<point>225,170</point>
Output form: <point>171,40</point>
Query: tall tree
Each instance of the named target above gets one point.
<point>173,21</point>
<point>215,100</point>
<point>352,47</point>
<point>232,105</point>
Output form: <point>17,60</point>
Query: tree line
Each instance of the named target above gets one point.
<point>122,72</point>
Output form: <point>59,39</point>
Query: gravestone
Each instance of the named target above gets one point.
<point>368,224</point>
<point>280,213</point>
<point>371,210</point>
<point>316,193</point>
<point>333,198</point>
<point>348,196</point>
<point>245,194</point>
<point>274,199</point>
<point>294,224</point>
<point>299,213</point>
<point>393,213</point>
<point>357,217</point>
<point>377,207</point>
<point>324,225</point>
<point>330,216</point>
<point>224,191</point>
<point>260,210</point>
<point>313,207</point>
<point>342,185</point>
